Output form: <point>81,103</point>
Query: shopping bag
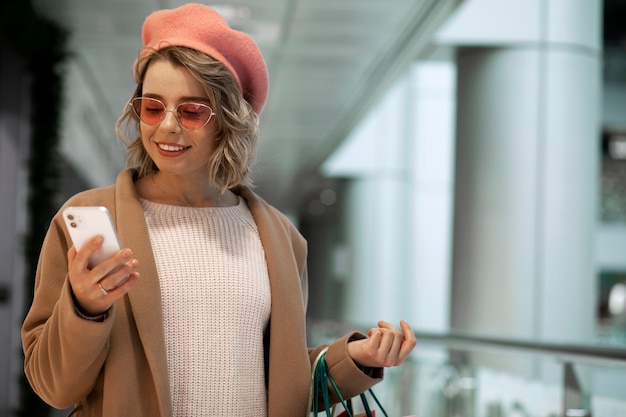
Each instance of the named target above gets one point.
<point>350,412</point>
<point>319,391</point>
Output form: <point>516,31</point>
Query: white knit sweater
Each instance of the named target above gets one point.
<point>216,304</point>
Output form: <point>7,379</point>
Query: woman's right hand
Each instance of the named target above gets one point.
<point>96,289</point>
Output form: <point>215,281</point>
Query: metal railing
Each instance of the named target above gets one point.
<point>458,350</point>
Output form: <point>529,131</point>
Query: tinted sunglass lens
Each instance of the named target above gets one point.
<point>193,115</point>
<point>190,115</point>
<point>150,111</point>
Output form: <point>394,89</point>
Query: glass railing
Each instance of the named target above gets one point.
<point>455,375</point>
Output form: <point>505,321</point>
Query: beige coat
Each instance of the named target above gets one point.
<point>118,367</point>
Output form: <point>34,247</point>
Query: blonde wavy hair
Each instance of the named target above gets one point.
<point>237,130</point>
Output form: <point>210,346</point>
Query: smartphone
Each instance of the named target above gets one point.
<point>85,223</point>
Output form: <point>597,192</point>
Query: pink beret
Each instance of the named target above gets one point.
<point>201,28</point>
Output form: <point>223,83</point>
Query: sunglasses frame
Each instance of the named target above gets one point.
<point>172,109</point>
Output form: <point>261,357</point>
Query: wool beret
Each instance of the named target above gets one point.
<point>201,28</point>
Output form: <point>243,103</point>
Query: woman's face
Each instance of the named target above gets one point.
<point>173,148</point>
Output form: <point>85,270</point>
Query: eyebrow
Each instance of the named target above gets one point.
<point>184,99</point>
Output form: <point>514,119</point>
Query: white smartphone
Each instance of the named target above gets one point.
<point>85,223</point>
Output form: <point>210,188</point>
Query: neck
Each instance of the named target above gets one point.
<point>178,191</point>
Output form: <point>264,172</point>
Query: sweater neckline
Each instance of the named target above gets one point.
<point>151,207</point>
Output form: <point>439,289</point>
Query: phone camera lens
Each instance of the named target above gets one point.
<point>70,216</point>
<point>73,224</point>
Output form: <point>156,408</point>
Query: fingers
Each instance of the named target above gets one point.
<point>116,280</point>
<point>71,255</point>
<point>390,345</point>
<point>410,341</point>
<point>80,258</point>
<point>120,288</point>
<point>96,289</point>
<point>386,346</point>
<point>118,266</point>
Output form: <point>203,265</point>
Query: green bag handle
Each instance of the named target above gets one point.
<point>319,377</point>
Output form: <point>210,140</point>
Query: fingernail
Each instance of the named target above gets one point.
<point>127,253</point>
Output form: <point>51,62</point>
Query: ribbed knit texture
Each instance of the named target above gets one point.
<point>216,304</point>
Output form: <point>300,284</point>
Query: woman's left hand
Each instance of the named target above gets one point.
<point>386,346</point>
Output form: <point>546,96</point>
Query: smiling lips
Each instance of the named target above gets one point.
<point>171,150</point>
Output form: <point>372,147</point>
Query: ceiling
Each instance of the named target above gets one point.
<point>329,61</point>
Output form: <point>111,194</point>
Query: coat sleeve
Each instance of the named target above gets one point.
<point>349,377</point>
<point>63,352</point>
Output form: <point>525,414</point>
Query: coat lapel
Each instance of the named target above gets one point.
<point>289,363</point>
<point>145,298</point>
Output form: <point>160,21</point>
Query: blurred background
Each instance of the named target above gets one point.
<point>457,163</point>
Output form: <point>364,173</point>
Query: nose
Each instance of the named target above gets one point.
<point>170,120</point>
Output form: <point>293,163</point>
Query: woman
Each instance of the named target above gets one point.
<point>203,311</point>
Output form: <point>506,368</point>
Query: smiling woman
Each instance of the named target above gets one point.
<point>204,81</point>
<point>181,146</point>
<point>203,309</point>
